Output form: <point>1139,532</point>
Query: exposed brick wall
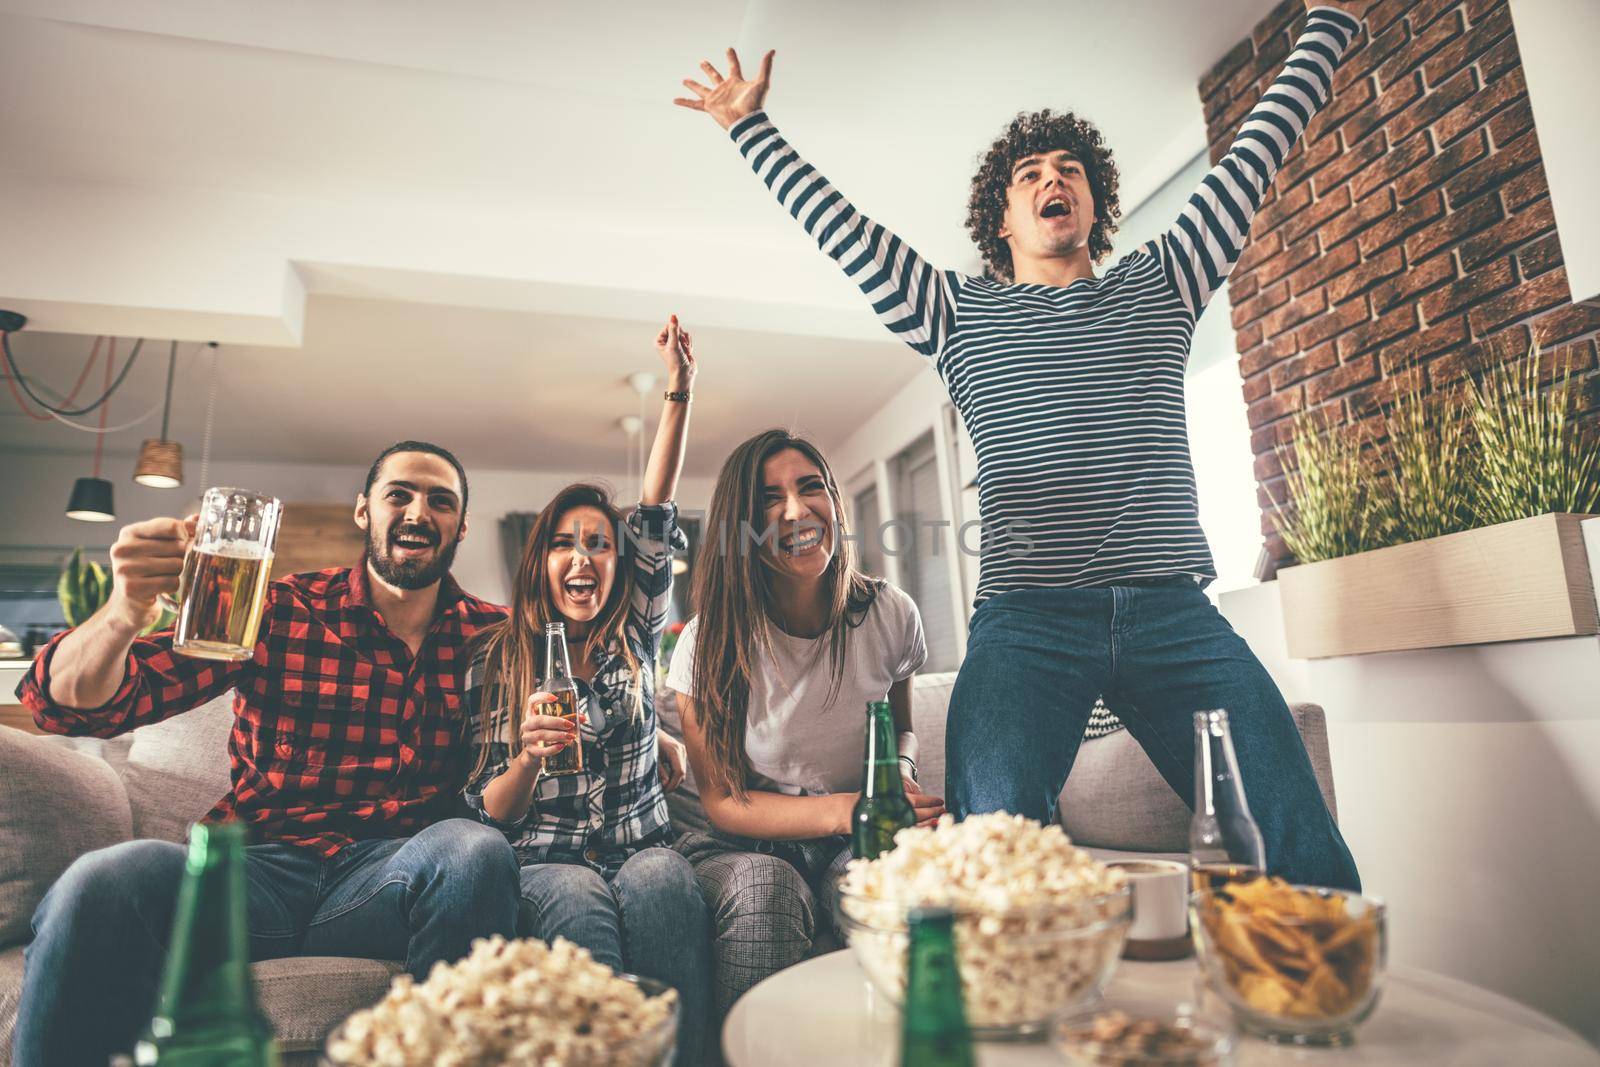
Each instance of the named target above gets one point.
<point>1408,237</point>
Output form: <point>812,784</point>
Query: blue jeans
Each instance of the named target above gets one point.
<point>648,919</point>
<point>100,934</point>
<point>1036,660</point>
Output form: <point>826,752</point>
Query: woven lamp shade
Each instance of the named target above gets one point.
<point>160,464</point>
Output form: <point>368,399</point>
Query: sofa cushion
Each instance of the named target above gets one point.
<point>56,803</point>
<point>930,702</point>
<point>1116,799</point>
<point>305,997</point>
<point>177,769</point>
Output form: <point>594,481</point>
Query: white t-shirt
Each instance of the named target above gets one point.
<point>796,744</point>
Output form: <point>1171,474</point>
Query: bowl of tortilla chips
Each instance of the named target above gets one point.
<point>1294,963</point>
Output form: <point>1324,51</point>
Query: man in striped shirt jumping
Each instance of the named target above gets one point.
<point>1071,385</point>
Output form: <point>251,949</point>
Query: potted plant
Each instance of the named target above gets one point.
<point>1464,527</point>
<point>84,586</point>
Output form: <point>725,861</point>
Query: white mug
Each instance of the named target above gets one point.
<point>1160,928</point>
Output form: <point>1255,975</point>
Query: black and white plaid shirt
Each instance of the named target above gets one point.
<point>615,806</point>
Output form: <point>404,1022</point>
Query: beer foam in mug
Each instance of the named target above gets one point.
<point>233,549</point>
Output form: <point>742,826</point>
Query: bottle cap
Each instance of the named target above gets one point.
<point>930,913</point>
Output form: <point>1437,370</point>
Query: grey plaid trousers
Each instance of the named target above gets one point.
<point>769,902</point>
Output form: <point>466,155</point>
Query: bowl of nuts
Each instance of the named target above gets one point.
<point>1039,923</point>
<point>513,1002</point>
<point>1145,1033</point>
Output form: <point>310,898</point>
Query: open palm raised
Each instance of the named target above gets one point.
<point>727,100</point>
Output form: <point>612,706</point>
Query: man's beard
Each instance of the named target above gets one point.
<point>407,573</point>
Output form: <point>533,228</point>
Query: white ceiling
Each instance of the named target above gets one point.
<point>463,213</point>
<point>504,389</point>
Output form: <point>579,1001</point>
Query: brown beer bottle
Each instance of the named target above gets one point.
<point>557,681</point>
<point>1225,844</point>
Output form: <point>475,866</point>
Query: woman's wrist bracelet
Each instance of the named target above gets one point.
<point>681,395</point>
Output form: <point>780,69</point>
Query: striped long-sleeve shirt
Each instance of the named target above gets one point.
<point>1073,395</point>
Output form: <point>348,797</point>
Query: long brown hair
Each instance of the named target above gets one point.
<point>513,649</point>
<point>733,601</point>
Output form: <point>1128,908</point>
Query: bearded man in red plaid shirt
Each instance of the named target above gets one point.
<point>347,754</point>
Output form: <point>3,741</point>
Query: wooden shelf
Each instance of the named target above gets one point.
<point>1511,582</point>
<point>313,537</point>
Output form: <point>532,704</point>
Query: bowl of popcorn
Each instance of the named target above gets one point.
<point>514,1002</point>
<point>1039,923</point>
<point>1294,963</point>
<point>1127,1032</point>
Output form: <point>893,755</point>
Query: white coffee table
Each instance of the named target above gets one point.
<point>825,1012</point>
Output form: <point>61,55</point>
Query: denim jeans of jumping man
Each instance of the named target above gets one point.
<point>1036,660</point>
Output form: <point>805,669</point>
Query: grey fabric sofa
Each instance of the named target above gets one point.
<point>60,798</point>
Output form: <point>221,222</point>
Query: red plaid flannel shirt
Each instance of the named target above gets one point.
<point>339,734</point>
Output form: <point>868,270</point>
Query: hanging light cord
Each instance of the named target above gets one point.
<point>172,366</point>
<point>211,406</point>
<point>153,411</point>
<point>111,387</point>
<point>105,409</point>
<point>102,429</point>
<point>83,376</point>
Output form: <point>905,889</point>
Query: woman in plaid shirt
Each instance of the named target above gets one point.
<point>595,866</point>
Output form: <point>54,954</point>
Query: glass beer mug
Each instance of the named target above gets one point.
<point>225,575</point>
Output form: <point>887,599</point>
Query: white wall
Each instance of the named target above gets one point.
<point>917,409</point>
<point>34,490</point>
<point>1219,432</point>
<point>1557,40</point>
<point>1468,784</point>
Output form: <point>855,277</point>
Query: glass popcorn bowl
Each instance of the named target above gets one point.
<point>650,1048</point>
<point>1305,968</point>
<point>1020,968</point>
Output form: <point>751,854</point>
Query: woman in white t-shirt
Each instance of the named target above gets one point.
<point>773,674</point>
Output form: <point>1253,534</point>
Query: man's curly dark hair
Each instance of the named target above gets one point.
<point>1040,131</point>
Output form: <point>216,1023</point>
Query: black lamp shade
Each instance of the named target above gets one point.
<point>91,501</point>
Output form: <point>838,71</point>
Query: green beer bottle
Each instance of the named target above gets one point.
<point>933,1025</point>
<point>207,1015</point>
<point>883,809</point>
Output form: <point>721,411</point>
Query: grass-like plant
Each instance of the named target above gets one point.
<point>1332,508</point>
<point>1533,457</point>
<point>1427,490</point>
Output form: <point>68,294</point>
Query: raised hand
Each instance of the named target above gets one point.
<point>676,347</point>
<point>727,100</point>
<point>146,561</point>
